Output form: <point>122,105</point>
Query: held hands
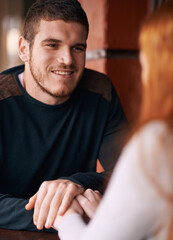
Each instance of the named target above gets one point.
<point>52,198</point>
<point>56,199</point>
<point>86,202</point>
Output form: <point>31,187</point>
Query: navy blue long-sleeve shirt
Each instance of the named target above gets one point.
<point>41,142</point>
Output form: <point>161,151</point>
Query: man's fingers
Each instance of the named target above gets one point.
<point>56,202</point>
<point>65,203</point>
<point>53,197</point>
<point>44,210</point>
<point>72,191</point>
<point>31,202</point>
<point>40,198</point>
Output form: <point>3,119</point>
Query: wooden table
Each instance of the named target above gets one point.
<point>24,235</point>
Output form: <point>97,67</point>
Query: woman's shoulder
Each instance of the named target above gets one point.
<point>151,144</point>
<point>151,150</point>
<point>154,133</point>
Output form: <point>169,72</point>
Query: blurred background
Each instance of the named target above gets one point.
<point>112,43</point>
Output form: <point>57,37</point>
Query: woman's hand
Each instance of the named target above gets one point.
<point>89,201</point>
<point>86,202</point>
<point>74,208</point>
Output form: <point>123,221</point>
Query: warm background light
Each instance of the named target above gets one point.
<point>12,41</point>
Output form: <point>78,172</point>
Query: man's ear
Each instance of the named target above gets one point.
<point>23,49</point>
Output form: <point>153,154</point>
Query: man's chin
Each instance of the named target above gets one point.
<point>62,94</point>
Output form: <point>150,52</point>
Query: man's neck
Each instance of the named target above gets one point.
<point>43,96</point>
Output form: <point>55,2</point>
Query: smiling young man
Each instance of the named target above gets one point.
<point>54,65</point>
<point>57,118</point>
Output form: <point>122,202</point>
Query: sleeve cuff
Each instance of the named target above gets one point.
<point>71,227</point>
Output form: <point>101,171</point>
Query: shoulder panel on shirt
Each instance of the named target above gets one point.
<point>8,86</point>
<point>97,82</point>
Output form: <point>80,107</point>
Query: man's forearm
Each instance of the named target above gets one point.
<point>13,214</point>
<point>93,180</point>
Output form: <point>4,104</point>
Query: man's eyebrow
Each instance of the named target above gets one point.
<point>50,40</point>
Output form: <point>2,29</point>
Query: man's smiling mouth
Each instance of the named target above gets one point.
<point>64,73</point>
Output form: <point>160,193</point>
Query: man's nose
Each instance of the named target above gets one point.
<point>65,56</point>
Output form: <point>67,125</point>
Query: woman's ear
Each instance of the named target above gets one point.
<point>23,49</point>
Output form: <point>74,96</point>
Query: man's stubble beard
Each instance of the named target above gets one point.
<point>39,79</point>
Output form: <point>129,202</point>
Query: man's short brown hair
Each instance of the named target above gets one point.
<point>50,10</point>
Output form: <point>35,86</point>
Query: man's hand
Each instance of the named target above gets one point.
<point>53,197</point>
<point>89,201</point>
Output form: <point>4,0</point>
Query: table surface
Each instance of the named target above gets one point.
<point>24,235</point>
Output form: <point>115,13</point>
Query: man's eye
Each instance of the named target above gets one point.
<point>51,45</point>
<point>79,49</point>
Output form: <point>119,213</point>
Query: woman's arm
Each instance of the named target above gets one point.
<point>131,207</point>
